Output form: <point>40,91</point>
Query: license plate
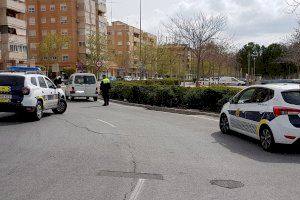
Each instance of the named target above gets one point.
<point>5,89</point>
<point>5,96</point>
<point>4,100</point>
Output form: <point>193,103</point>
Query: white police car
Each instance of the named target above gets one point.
<point>269,113</point>
<point>32,93</point>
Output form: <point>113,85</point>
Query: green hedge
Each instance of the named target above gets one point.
<point>206,99</point>
<point>154,82</point>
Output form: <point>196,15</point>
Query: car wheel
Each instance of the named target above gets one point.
<point>266,139</point>
<point>87,98</point>
<point>61,108</point>
<point>224,124</point>
<point>95,98</point>
<point>72,98</point>
<point>38,111</point>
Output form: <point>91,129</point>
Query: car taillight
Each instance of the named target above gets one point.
<point>72,90</point>
<point>285,111</point>
<point>25,91</point>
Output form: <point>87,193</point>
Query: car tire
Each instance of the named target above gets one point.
<point>72,98</point>
<point>267,141</point>
<point>87,98</point>
<point>224,124</point>
<point>95,98</point>
<point>62,107</point>
<point>38,111</point>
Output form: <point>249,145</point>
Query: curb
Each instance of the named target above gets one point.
<point>165,109</point>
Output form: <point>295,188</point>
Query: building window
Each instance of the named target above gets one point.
<point>44,32</point>
<point>63,7</point>
<point>65,46</point>
<point>53,31</point>
<point>120,33</point>
<point>64,32</point>
<point>81,44</point>
<point>52,7</point>
<point>53,20</point>
<point>43,20</point>
<point>120,43</point>
<point>63,20</point>
<point>43,8</point>
<point>31,21</point>
<point>65,58</point>
<point>32,45</point>
<point>32,33</point>
<point>31,8</point>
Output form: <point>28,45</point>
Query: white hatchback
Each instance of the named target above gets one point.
<point>269,113</point>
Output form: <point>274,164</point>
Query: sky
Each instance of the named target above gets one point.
<point>260,21</point>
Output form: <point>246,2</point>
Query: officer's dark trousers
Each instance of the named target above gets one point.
<point>106,98</point>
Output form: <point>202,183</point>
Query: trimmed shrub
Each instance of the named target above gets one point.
<point>206,99</point>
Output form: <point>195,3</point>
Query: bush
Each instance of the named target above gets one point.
<point>207,98</point>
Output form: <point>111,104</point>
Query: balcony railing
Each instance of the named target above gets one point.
<point>14,22</point>
<point>13,5</point>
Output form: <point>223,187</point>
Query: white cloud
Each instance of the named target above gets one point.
<point>261,21</point>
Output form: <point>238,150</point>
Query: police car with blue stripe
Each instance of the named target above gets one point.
<point>31,92</point>
<point>269,113</point>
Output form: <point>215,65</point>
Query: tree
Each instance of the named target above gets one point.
<point>97,51</point>
<point>50,49</point>
<point>293,5</point>
<point>197,31</point>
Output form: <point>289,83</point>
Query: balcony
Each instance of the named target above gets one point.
<point>14,5</point>
<point>20,56</point>
<point>11,38</point>
<point>13,22</point>
<point>102,7</point>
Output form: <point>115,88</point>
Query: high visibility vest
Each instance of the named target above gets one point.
<point>106,81</point>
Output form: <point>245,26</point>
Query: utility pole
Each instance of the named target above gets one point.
<point>141,64</point>
<point>249,66</point>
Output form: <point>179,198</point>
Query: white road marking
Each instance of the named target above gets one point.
<point>134,195</point>
<point>206,118</point>
<point>106,123</point>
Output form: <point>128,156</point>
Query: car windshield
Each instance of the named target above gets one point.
<point>292,97</point>
<point>6,80</point>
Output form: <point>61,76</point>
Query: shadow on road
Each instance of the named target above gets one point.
<point>250,148</point>
<point>11,119</point>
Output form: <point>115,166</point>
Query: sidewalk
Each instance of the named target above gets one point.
<point>170,110</point>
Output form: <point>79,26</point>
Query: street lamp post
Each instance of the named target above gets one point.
<point>141,64</point>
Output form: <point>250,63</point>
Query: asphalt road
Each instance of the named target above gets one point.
<point>127,153</point>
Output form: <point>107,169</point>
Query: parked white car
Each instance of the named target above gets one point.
<point>31,93</point>
<point>82,85</point>
<point>128,78</point>
<point>269,113</point>
<point>226,80</point>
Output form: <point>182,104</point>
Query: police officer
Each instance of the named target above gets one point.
<point>105,87</point>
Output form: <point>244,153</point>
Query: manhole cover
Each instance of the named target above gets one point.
<point>230,184</point>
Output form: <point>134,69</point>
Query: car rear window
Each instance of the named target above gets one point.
<point>85,80</point>
<point>90,80</point>
<point>291,97</point>
<point>8,80</point>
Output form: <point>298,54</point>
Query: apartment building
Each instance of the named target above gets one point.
<point>75,19</point>
<point>13,44</point>
<point>125,41</point>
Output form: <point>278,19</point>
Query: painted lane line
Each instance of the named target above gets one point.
<point>134,195</point>
<point>206,118</point>
<point>106,123</point>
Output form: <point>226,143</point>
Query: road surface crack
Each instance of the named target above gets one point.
<point>83,127</point>
<point>134,164</point>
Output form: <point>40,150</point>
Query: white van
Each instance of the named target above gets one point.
<point>82,85</point>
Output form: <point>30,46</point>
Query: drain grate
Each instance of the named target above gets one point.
<point>230,184</point>
<point>133,175</point>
